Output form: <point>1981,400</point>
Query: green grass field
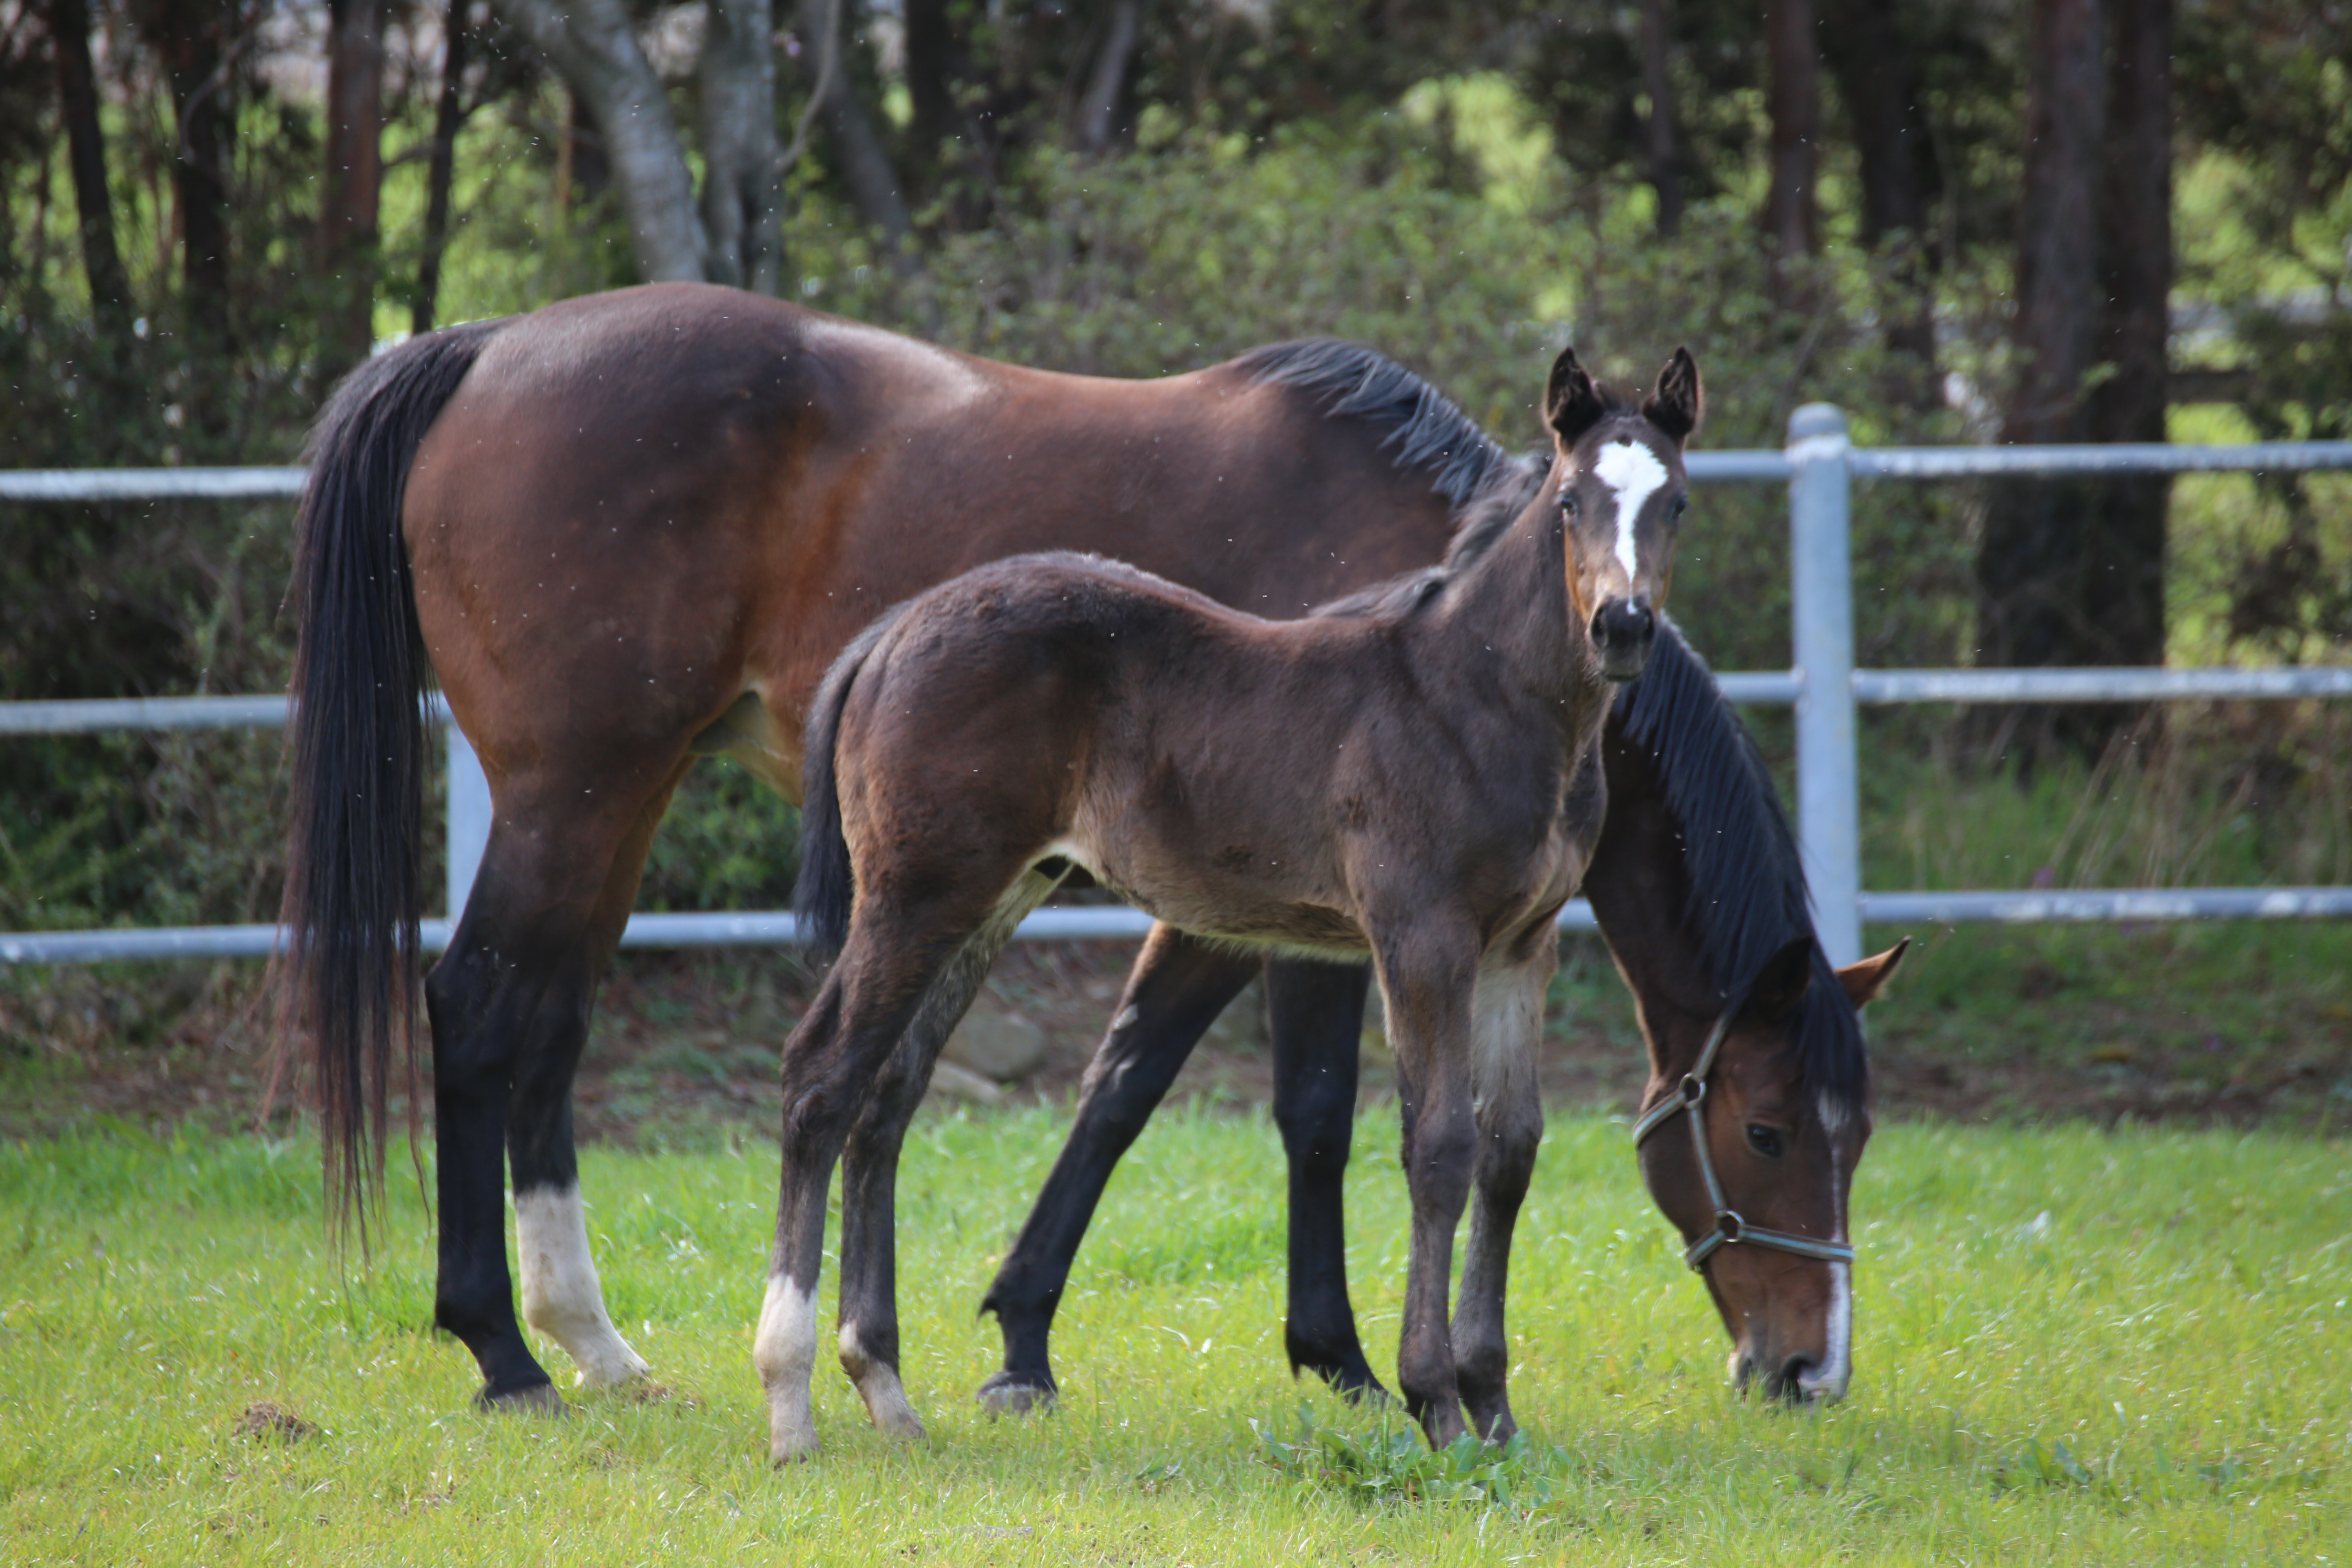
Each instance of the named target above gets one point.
<point>2072,1346</point>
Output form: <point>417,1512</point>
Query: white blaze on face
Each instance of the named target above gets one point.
<point>1828,1379</point>
<point>562,1296</point>
<point>1633,474</point>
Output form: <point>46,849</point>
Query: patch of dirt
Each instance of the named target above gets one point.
<point>265,1421</point>
<point>685,1046</point>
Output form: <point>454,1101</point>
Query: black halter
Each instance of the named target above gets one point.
<point>1691,1096</point>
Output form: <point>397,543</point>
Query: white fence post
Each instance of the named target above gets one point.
<point>469,817</point>
<point>1821,639</point>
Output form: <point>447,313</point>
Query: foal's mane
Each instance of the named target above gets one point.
<point>1747,891</point>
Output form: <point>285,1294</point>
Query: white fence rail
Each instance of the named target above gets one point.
<point>1819,465</point>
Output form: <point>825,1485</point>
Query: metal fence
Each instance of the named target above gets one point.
<point>1819,465</point>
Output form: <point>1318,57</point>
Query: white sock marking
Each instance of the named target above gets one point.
<point>1633,473</point>
<point>878,1385</point>
<point>562,1296</point>
<point>784,1350</point>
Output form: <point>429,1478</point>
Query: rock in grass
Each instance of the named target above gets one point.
<point>999,1047</point>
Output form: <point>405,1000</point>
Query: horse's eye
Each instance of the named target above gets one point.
<point>1567,502</point>
<point>1765,1141</point>
<point>1681,505</point>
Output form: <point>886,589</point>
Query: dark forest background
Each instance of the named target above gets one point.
<point>1963,220</point>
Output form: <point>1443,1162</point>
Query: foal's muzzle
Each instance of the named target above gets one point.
<point>1622,631</point>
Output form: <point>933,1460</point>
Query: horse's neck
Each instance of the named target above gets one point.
<point>1639,886</point>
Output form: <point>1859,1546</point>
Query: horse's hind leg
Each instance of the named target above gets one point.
<point>509,998</point>
<point>1509,1019</point>
<point>1179,986</point>
<point>1315,1017</point>
<point>868,1336</point>
<point>562,1296</point>
<point>850,1033</point>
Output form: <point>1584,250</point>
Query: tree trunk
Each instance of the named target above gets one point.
<point>1097,115</point>
<point>858,152</point>
<point>348,206</point>
<point>448,119</point>
<point>740,202</point>
<point>110,285</point>
<point>1665,162</point>
<point>2126,548</point>
<point>951,155</point>
<point>2070,572</point>
<point>1878,78</point>
<point>594,46</point>
<point>192,38</point>
<point>1793,100</point>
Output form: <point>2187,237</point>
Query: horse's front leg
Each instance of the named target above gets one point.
<point>1428,973</point>
<point>1179,986</point>
<point>1509,1020</point>
<point>1315,1013</point>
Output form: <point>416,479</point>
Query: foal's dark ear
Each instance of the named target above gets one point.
<point>1678,405</point>
<point>1571,402</point>
<point>1781,984</point>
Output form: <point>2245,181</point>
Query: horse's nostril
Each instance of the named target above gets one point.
<point>1793,1372</point>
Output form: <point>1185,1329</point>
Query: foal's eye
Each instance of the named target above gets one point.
<point>1765,1141</point>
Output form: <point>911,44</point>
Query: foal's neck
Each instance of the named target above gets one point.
<point>1512,602</point>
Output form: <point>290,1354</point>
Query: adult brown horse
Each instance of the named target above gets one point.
<point>1411,775</point>
<point>632,528</point>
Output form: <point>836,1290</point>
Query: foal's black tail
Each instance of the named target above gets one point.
<point>827,887</point>
<point>347,971</point>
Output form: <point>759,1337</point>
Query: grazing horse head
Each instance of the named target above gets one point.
<point>1756,1169</point>
<point>1758,1105</point>
<point>1621,490</point>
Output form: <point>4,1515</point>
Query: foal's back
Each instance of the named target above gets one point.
<point>1233,775</point>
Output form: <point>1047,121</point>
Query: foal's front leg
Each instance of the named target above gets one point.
<point>1510,1126</point>
<point>1427,978</point>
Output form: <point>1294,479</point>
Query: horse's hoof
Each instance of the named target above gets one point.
<point>794,1449</point>
<point>1017,1393</point>
<point>534,1399</point>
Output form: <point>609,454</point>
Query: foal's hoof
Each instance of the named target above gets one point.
<point>534,1399</point>
<point>1011,1393</point>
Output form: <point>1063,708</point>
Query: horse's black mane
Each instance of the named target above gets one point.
<point>1748,886</point>
<point>1424,427</point>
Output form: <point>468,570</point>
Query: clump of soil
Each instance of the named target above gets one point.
<point>266,1421</point>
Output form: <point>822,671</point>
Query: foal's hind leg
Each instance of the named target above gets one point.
<point>1510,1126</point>
<point>1315,1013</point>
<point>562,1296</point>
<point>830,1062</point>
<point>1179,986</point>
<point>869,1166</point>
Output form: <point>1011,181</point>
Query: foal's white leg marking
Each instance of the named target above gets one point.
<point>784,1352</point>
<point>1506,1018</point>
<point>560,1296</point>
<point>878,1385</point>
<point>1633,473</point>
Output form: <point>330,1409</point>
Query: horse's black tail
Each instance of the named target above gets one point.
<point>827,886</point>
<point>347,970</point>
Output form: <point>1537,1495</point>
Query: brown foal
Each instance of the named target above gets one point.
<point>1412,774</point>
